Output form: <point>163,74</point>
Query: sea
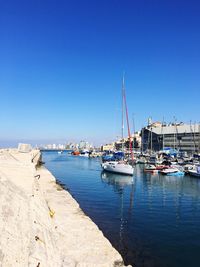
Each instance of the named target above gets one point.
<point>151,219</point>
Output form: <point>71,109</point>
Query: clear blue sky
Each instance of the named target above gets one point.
<point>61,65</point>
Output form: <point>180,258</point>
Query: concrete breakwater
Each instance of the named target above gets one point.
<point>41,224</point>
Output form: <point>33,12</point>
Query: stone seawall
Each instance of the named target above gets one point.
<point>41,225</point>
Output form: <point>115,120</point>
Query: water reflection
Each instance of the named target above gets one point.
<point>183,185</point>
<point>152,219</point>
<point>119,183</point>
<point>116,180</point>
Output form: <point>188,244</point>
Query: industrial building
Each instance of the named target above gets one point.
<point>179,136</point>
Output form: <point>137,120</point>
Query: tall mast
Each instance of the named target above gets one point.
<point>133,131</point>
<point>134,123</point>
<point>129,132</point>
<point>151,141</point>
<point>163,135</point>
<point>142,139</point>
<point>123,109</point>
<point>199,139</point>
<point>192,136</point>
<point>174,133</point>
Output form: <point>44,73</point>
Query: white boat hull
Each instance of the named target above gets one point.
<point>169,170</point>
<point>172,171</point>
<point>116,167</point>
<point>86,155</point>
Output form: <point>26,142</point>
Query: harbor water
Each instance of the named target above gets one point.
<point>151,219</point>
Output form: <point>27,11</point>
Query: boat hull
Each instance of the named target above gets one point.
<point>116,167</point>
<point>86,155</point>
<point>150,168</point>
<point>175,174</point>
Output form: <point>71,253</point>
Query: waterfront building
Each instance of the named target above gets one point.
<point>179,136</point>
<point>124,143</point>
<point>72,146</point>
<point>137,140</point>
<point>108,147</point>
<point>61,146</point>
<point>84,145</point>
<point>120,144</point>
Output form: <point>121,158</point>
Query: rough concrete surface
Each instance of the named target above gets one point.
<point>41,225</point>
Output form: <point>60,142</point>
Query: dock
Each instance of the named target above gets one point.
<point>41,225</point>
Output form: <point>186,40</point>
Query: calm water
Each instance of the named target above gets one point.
<point>152,220</point>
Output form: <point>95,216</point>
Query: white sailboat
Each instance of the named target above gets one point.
<point>118,167</point>
<point>121,167</point>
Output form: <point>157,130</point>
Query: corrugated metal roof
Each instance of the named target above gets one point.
<point>172,129</point>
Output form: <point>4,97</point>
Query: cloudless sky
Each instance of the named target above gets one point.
<point>61,66</point>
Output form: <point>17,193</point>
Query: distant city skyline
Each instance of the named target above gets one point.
<point>62,64</point>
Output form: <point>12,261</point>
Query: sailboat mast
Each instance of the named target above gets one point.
<point>142,140</point>
<point>174,132</point>
<point>133,123</point>
<point>122,110</point>
<point>163,135</point>
<point>192,136</point>
<point>199,139</point>
<point>129,132</point>
<point>151,141</point>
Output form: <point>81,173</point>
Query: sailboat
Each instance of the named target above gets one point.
<point>121,167</point>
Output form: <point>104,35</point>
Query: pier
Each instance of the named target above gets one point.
<point>41,224</point>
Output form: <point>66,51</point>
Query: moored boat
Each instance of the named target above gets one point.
<point>116,164</point>
<point>75,153</point>
<point>84,153</point>
<point>120,167</point>
<point>161,167</point>
<point>150,168</point>
<point>173,171</point>
<point>195,172</point>
<point>189,167</point>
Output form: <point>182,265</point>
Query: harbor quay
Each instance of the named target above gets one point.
<point>41,224</point>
